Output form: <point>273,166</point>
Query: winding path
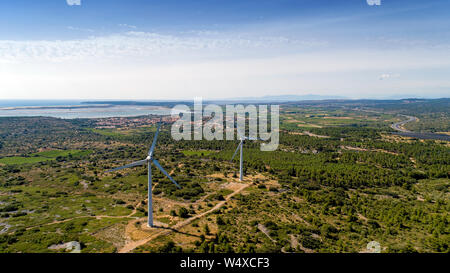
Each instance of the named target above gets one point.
<point>130,246</point>
<point>88,216</point>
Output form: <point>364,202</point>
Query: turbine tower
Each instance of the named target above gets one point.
<point>149,160</point>
<point>241,161</point>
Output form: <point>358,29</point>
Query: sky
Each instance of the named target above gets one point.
<point>168,49</point>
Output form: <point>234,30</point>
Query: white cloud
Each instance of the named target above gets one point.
<point>127,26</point>
<point>142,65</point>
<point>135,44</point>
<point>73,2</point>
<point>386,76</point>
<point>374,2</point>
<point>80,29</point>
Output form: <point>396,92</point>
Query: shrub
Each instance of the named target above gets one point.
<point>220,221</point>
<point>183,213</point>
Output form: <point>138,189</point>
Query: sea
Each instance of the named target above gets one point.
<point>73,109</point>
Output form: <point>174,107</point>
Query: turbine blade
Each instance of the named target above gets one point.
<point>235,152</point>
<point>154,140</point>
<point>164,172</point>
<point>134,164</point>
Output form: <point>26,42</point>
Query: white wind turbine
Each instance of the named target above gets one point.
<point>149,160</point>
<point>241,147</point>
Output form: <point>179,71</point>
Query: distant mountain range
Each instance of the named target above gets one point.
<point>279,98</point>
<point>312,97</point>
<point>283,98</point>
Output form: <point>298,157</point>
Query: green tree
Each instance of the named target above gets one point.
<point>183,212</point>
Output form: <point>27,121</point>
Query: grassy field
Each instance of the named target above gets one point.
<point>18,160</point>
<point>42,157</point>
<point>197,153</point>
<point>108,132</point>
<point>117,132</point>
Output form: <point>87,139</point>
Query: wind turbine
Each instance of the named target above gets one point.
<point>240,147</point>
<point>149,160</point>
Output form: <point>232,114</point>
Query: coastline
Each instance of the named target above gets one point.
<point>59,107</point>
<point>84,111</point>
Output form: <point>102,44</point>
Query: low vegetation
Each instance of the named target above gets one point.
<point>339,180</point>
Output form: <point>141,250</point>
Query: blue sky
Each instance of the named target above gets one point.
<point>171,49</point>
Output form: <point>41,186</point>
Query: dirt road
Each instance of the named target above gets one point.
<point>88,216</point>
<point>130,246</point>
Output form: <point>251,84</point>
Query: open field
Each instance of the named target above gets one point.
<point>42,156</point>
<point>197,153</point>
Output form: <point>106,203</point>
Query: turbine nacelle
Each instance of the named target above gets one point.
<point>240,147</point>
<point>243,138</point>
